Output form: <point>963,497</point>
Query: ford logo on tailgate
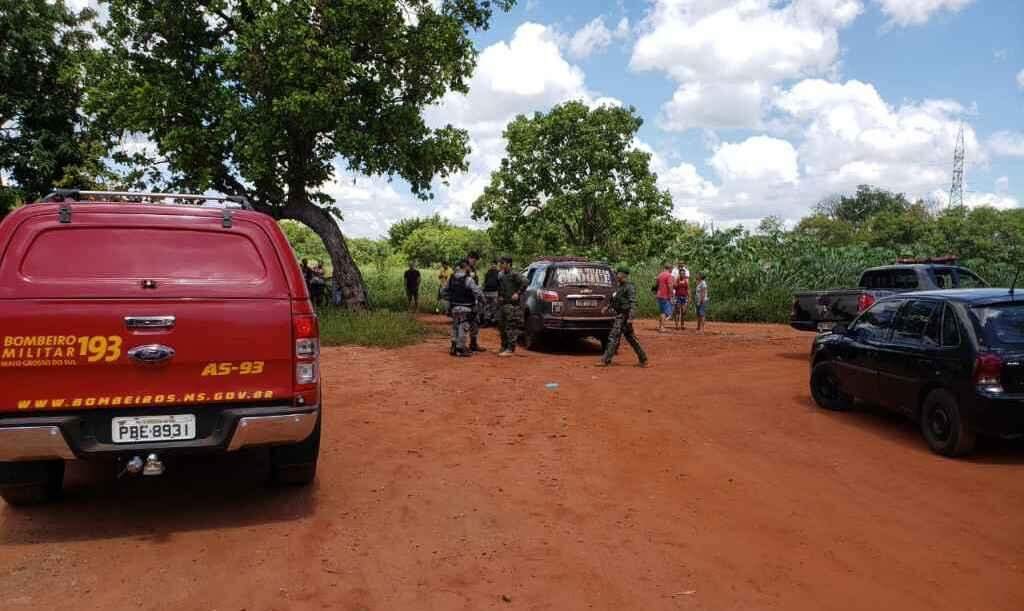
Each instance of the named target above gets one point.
<point>151,354</point>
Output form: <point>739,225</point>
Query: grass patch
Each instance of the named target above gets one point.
<point>377,328</point>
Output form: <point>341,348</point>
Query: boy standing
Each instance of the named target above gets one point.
<point>702,301</point>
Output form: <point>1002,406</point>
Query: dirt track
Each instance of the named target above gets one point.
<point>707,481</point>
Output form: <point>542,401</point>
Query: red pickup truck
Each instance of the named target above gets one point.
<point>136,327</point>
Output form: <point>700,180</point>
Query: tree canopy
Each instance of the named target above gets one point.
<point>573,181</point>
<point>263,98</point>
<point>42,142</point>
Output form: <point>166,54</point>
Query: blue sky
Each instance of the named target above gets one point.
<point>751,107</point>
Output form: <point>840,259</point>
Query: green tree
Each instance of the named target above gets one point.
<point>43,45</point>
<point>398,232</point>
<point>867,202</point>
<point>261,98</point>
<point>574,182</point>
<point>431,244</point>
<point>305,243</point>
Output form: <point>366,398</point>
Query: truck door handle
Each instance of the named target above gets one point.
<point>149,322</point>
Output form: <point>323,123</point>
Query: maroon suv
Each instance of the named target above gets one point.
<point>569,297</point>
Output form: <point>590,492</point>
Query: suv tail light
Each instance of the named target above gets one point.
<point>550,296</point>
<point>865,301</point>
<point>988,372</point>
<point>307,355</point>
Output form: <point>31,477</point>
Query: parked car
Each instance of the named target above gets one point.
<point>952,360</point>
<point>567,297</point>
<point>136,327</point>
<point>820,310</point>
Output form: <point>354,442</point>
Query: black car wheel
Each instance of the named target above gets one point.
<point>31,483</point>
<point>825,388</point>
<point>295,464</point>
<point>943,425</point>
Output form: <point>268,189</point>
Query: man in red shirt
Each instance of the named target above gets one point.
<point>666,291</point>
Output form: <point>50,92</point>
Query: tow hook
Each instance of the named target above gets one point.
<point>152,466</point>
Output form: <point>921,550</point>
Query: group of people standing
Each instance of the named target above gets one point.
<point>672,291</point>
<point>467,301</point>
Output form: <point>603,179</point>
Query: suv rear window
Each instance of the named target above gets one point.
<point>132,253</point>
<point>582,276</point>
<point>1002,325</point>
<point>955,278</point>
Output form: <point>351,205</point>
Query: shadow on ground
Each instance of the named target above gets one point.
<point>196,493</point>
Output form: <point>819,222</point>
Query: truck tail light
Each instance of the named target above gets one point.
<point>988,372</point>
<point>865,301</point>
<point>306,330</point>
<point>549,296</point>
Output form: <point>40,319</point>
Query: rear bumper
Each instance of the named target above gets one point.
<point>87,434</point>
<point>1000,416</point>
<point>578,324</point>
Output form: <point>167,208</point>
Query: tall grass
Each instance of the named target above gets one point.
<point>750,279</point>
<point>380,328</point>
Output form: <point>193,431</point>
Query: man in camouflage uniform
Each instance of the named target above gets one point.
<point>511,285</point>
<point>623,304</point>
<point>464,296</point>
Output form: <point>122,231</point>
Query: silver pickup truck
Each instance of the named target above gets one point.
<point>821,310</point>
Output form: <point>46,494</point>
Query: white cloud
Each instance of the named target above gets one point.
<point>523,75</point>
<point>746,40</point>
<point>916,12</point>
<point>1002,184</point>
<point>714,105</point>
<point>595,37</point>
<point>853,136</point>
<point>1007,144</point>
<point>1020,79</point>
<point>760,158</point>
<point>992,200</point>
<point>728,55</point>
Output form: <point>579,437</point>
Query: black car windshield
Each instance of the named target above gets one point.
<point>1003,324</point>
<point>583,276</point>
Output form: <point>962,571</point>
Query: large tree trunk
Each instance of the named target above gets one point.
<point>346,273</point>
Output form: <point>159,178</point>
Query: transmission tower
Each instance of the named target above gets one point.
<point>956,190</point>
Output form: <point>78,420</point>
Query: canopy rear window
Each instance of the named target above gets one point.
<point>133,253</point>
<point>582,276</point>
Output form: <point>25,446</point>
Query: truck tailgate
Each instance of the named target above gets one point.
<point>105,353</point>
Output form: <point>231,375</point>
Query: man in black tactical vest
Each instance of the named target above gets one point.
<point>463,294</point>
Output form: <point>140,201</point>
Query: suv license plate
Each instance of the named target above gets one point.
<point>138,429</point>
<point>586,303</point>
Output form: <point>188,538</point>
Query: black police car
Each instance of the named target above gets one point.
<point>952,360</point>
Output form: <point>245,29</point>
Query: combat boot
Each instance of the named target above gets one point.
<point>452,351</point>
<point>475,347</point>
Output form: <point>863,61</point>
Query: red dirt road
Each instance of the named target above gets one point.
<point>707,481</point>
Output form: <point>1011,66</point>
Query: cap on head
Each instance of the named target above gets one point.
<point>473,255</point>
<point>622,269</point>
<point>506,259</point>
